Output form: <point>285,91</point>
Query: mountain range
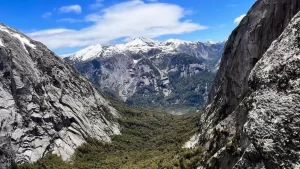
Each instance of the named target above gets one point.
<point>150,73</point>
<point>250,121</point>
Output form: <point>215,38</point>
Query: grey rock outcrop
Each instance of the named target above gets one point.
<point>45,104</point>
<point>263,24</point>
<point>273,123</point>
<point>150,73</point>
<point>250,118</point>
<point>6,152</point>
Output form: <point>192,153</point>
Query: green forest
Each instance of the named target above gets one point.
<point>149,139</point>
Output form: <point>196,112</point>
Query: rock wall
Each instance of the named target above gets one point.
<point>46,105</point>
<point>263,24</point>
<point>227,129</point>
<point>273,124</point>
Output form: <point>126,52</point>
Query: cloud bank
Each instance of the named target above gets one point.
<point>72,8</point>
<point>239,19</point>
<point>130,19</point>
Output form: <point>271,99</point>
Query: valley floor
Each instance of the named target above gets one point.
<point>149,140</point>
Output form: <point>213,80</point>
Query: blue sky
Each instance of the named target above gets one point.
<point>69,25</point>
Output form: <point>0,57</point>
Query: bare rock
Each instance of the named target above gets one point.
<point>46,105</point>
<point>247,121</point>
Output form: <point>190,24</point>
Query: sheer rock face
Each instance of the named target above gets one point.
<point>253,123</point>
<point>263,24</point>
<point>45,104</point>
<point>273,124</point>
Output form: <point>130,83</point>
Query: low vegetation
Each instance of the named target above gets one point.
<point>149,140</point>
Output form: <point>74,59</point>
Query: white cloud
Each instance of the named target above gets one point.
<point>65,55</point>
<point>50,32</point>
<point>70,20</point>
<point>72,8</point>
<point>97,4</point>
<point>93,18</point>
<point>239,19</point>
<point>47,15</point>
<point>129,19</point>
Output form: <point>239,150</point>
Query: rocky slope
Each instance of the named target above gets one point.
<point>45,105</point>
<point>150,73</point>
<point>251,118</point>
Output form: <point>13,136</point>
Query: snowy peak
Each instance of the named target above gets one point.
<point>87,53</point>
<point>177,41</point>
<point>143,45</point>
<point>210,42</point>
<point>141,42</point>
<point>143,69</point>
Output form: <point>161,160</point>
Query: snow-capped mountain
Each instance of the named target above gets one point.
<point>147,72</point>
<point>88,53</point>
<point>142,45</point>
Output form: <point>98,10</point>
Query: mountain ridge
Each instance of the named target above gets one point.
<point>135,43</point>
<point>150,73</point>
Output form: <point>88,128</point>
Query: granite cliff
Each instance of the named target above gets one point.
<point>251,117</point>
<point>45,104</point>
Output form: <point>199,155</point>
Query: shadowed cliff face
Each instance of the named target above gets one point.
<point>45,104</point>
<point>264,23</point>
<point>273,123</point>
<point>226,128</point>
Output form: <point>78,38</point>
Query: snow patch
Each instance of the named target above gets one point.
<point>192,142</point>
<point>297,56</point>
<point>24,40</point>
<point>210,42</point>
<point>177,41</point>
<point>296,166</point>
<point>167,92</point>
<point>88,53</point>
<point>140,42</point>
<point>1,43</point>
<point>136,61</point>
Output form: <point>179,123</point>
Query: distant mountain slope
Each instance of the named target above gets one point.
<point>150,73</point>
<point>45,104</point>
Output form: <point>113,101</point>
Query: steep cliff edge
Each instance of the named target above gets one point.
<point>45,104</point>
<point>263,24</point>
<point>273,124</point>
<point>233,129</point>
